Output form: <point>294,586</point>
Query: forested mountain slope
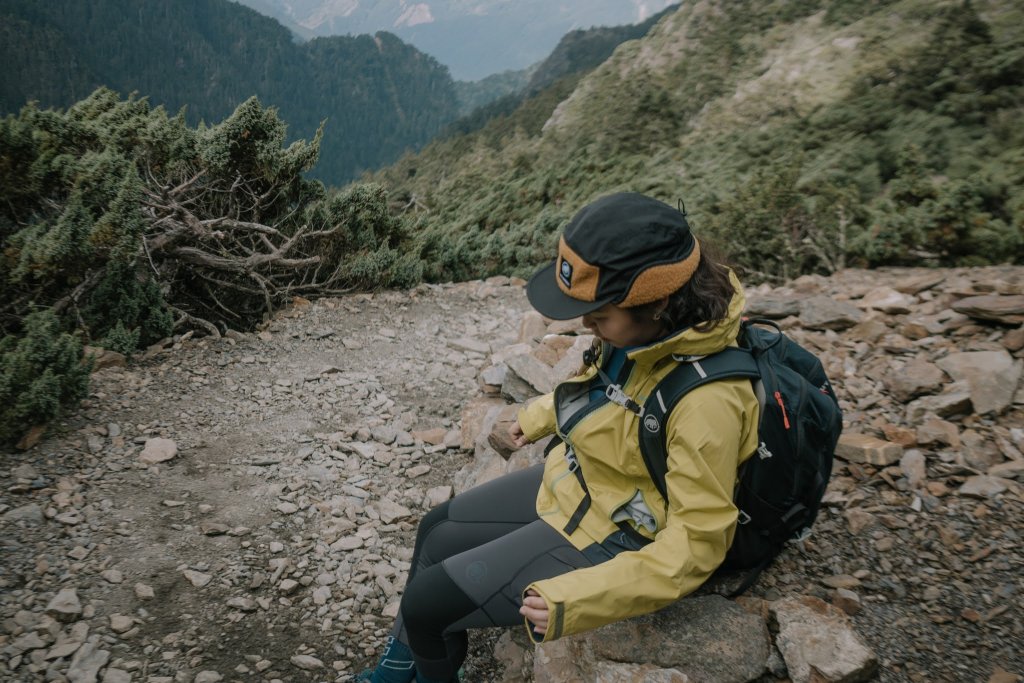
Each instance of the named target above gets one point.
<point>803,136</point>
<point>378,95</point>
<point>474,38</point>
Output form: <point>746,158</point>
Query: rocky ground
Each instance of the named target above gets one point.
<point>243,509</point>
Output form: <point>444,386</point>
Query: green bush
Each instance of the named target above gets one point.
<point>41,373</point>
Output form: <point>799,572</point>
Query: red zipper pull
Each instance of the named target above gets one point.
<point>785,418</point>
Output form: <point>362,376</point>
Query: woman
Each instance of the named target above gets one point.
<point>586,539</point>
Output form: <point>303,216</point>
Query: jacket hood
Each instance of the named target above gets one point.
<point>691,342</point>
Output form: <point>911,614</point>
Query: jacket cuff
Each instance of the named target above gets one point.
<point>556,618</point>
<point>537,419</point>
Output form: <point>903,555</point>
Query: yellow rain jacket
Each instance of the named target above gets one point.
<point>709,433</point>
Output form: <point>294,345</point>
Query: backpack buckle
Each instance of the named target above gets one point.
<point>570,457</point>
<point>743,518</point>
<point>619,397</point>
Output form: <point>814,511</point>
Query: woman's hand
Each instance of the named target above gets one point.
<point>515,432</point>
<point>536,611</point>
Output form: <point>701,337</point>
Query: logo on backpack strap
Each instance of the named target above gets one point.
<point>651,424</point>
<point>763,452</point>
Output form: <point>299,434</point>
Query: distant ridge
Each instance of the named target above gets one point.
<point>379,96</point>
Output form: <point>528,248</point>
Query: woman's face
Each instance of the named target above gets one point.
<point>617,327</point>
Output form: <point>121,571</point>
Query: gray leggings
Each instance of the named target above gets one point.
<point>474,556</point>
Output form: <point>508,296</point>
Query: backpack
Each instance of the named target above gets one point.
<point>780,487</point>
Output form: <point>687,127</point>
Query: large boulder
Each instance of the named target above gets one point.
<point>992,377</point>
<point>708,638</point>
<point>819,644</point>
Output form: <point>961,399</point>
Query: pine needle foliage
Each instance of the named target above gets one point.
<point>120,224</point>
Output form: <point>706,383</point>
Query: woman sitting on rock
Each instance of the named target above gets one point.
<point>586,539</point>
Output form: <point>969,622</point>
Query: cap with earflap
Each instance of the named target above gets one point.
<point>625,249</point>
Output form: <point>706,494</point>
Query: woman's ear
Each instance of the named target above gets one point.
<point>659,308</point>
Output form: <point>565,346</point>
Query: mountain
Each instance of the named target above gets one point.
<point>474,38</point>
<point>378,95</point>
<point>577,53</point>
<point>804,137</point>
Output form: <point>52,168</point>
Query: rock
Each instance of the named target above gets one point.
<point>472,345</point>
<point>955,399</point>
<point>572,361</point>
<point>112,675</point>
<point>1000,308</point>
<point>112,576</point>
<point>494,376</point>
<point>888,300</point>
<point>904,436</point>
<point>841,581</point>
<point>434,437</point>
<point>197,579</point>
<point>143,591</point>
<point>825,313</point>
<point>858,520</point>
<point>818,643</point>
<point>158,450</point>
<point>1014,339</point>
<point>321,595</point>
<point>870,330</point>
<point>707,638</point>
<point>242,604</point>
<point>499,438</point>
<point>983,487</point>
<point>532,327</point>
<point>87,662</point>
<point>473,414</point>
<point>288,586</point>
<point>27,642</point>
<point>864,448</point>
<point>214,528</point>
<point>768,306</point>
<point>436,496</point>
<point>614,672</point>
<point>992,377</point>
<point>573,326</point>
<point>287,508</point>
<point>104,358</point>
<point>846,600</point>
<point>1013,469</point>
<point>979,451</point>
<point>29,514</point>
<point>913,466</point>
<point>919,283</point>
<point>391,511</point>
<point>1001,675</point>
<point>914,379</point>
<point>307,662</point>
<point>936,431</point>
<point>64,606</point>
<point>120,623</point>
<point>536,373</point>
<point>31,438</point>
<point>207,677</point>
<point>347,543</point>
<point>69,642</point>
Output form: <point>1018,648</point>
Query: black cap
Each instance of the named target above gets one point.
<point>625,249</point>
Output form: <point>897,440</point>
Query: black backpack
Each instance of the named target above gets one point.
<point>780,487</point>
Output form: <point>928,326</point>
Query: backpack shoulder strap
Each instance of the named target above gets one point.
<point>729,363</point>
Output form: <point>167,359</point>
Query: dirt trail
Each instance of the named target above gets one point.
<point>274,541</point>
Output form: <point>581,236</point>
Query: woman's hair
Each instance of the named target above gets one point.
<point>701,303</point>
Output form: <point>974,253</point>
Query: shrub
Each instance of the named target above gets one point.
<point>41,374</point>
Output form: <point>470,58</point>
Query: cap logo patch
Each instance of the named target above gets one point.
<point>565,273</point>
